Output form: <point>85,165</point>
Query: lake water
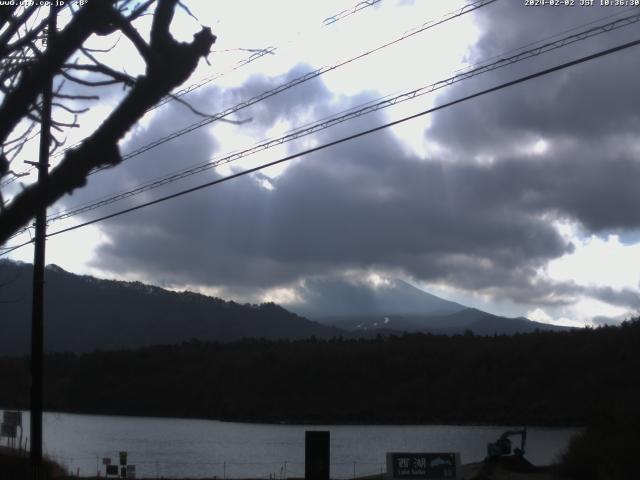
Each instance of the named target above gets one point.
<point>165,447</point>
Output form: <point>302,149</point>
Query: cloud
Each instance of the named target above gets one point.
<point>579,101</point>
<point>480,217</point>
<point>358,206</point>
<point>291,103</point>
<point>624,297</point>
<point>583,115</point>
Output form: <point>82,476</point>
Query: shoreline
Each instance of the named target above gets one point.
<point>309,423</point>
<point>14,462</point>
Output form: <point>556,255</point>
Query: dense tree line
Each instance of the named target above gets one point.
<point>544,378</point>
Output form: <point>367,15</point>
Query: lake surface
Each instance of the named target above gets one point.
<point>166,447</point>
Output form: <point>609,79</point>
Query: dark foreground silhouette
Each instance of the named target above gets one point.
<point>544,378</point>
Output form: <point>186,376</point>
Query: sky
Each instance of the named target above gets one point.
<point>523,202</point>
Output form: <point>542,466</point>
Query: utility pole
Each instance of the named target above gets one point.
<point>37,313</point>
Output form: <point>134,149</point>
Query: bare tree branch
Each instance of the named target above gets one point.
<point>6,13</point>
<point>140,9</point>
<point>169,64</point>
<point>69,109</point>
<point>24,41</point>
<point>56,144</point>
<point>117,77</point>
<point>87,83</point>
<point>186,9</point>
<point>137,40</point>
<point>16,104</point>
<point>14,26</point>
<point>102,50</point>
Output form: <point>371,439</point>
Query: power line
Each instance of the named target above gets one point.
<point>302,79</point>
<point>311,75</point>
<point>496,88</point>
<point>467,71</point>
<point>366,108</point>
<point>549,38</point>
<point>345,116</point>
<point>8,250</point>
<point>255,55</point>
<point>267,94</point>
<point>350,11</point>
<point>269,50</point>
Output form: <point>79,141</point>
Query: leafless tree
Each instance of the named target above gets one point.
<point>27,64</point>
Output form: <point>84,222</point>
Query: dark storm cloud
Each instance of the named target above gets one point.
<point>289,104</point>
<point>357,206</point>
<point>625,297</point>
<point>591,182</point>
<point>586,114</point>
<point>585,100</point>
<point>170,157</point>
<point>199,145</point>
<point>365,205</point>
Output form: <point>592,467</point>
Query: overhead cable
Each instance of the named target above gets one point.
<point>350,11</point>
<point>303,78</point>
<point>496,88</point>
<point>345,116</point>
<point>255,55</point>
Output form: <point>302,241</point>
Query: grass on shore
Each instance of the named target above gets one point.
<point>14,465</point>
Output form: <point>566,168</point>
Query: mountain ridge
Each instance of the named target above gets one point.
<point>333,296</point>
<point>393,305</point>
<point>85,313</point>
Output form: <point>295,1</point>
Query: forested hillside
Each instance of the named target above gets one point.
<point>545,378</point>
<point>84,313</point>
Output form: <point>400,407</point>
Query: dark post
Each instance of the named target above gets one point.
<point>37,329</point>
<point>316,455</point>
